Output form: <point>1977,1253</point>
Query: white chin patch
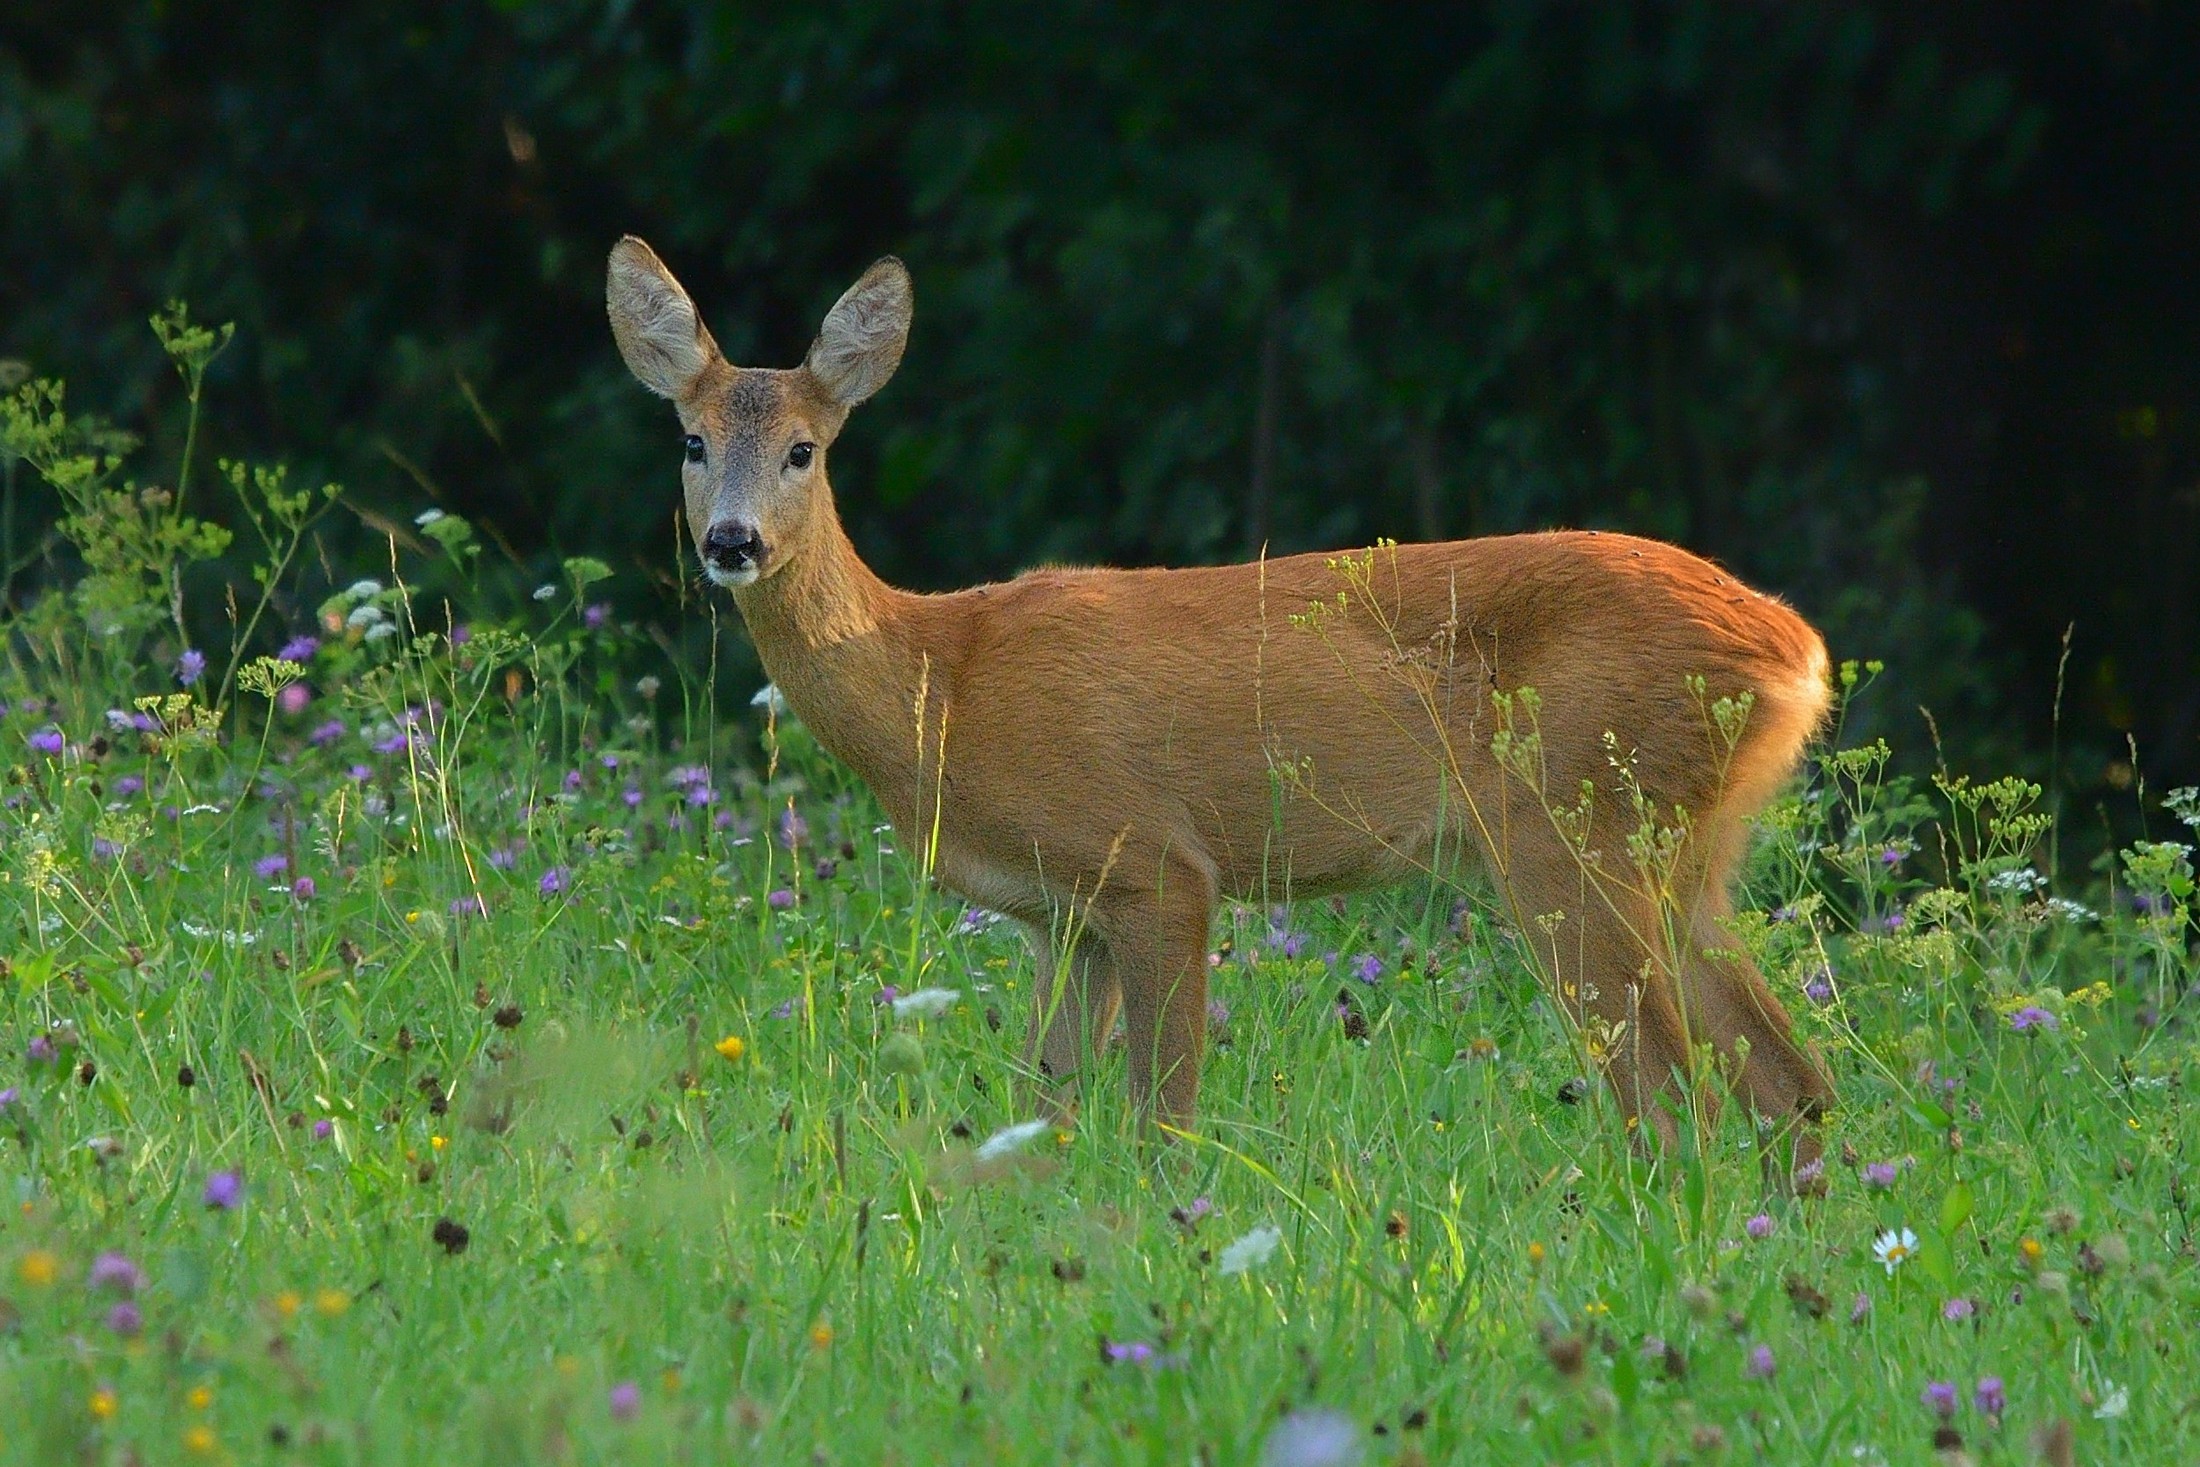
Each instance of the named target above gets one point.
<point>731,579</point>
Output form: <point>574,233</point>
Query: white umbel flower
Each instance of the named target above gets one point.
<point>1250,1251</point>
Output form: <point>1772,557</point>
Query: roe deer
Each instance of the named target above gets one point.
<point>1109,752</point>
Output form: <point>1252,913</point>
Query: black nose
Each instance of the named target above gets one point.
<point>731,545</point>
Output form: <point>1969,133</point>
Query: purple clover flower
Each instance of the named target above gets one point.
<point>126,1319</point>
<point>1958,1309</point>
<point>190,667</point>
<point>1880,1175</point>
<point>323,1129</point>
<point>1760,1226</point>
<point>626,1401</point>
<point>116,1273</point>
<point>224,1190</point>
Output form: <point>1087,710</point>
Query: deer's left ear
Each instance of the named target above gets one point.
<point>659,333</point>
<point>861,341</point>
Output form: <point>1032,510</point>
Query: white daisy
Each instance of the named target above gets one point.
<point>1894,1247</point>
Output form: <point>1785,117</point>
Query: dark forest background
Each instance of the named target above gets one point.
<point>1891,307</point>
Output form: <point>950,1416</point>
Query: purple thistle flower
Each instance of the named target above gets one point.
<point>191,666</point>
<point>294,698</point>
<point>1200,1206</point>
<point>1989,1396</point>
<point>303,889</point>
<point>1880,1175</point>
<point>116,1273</point>
<point>47,741</point>
<point>125,1319</point>
<point>573,781</point>
<point>2032,1016</point>
<point>1761,1365</point>
<point>128,785</point>
<point>224,1190</point>
<point>267,868</point>
<point>555,880</point>
<point>780,900</point>
<point>323,1129</point>
<point>300,649</point>
<point>1760,1226</point>
<point>1939,1397</point>
<point>626,1400</point>
<point>886,994</point>
<point>1367,967</point>
<point>327,733</point>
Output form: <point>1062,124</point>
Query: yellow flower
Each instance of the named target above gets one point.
<point>199,1440</point>
<point>1535,1255</point>
<point>436,1142</point>
<point>733,1046</point>
<point>331,1302</point>
<point>821,1335</point>
<point>2029,1252</point>
<point>568,1366</point>
<point>412,916</point>
<point>38,1268</point>
<point>672,1382</point>
<point>103,1403</point>
<point>199,1398</point>
<point>286,1303</point>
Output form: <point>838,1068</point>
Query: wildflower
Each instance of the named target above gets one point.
<point>466,906</point>
<point>780,899</point>
<point>267,868</point>
<point>1894,1248</point>
<point>2032,1016</point>
<point>327,733</point>
<point>191,666</point>
<point>626,1396</point>
<point>104,849</point>
<point>1861,1309</point>
<point>300,649</point>
<point>555,880</point>
<point>199,1440</point>
<point>40,1049</point>
<point>1250,1251</point>
<point>1958,1309</point>
<point>331,1302</point>
<point>1939,1397</point>
<point>769,698</point>
<point>125,1319</point>
<point>632,796</point>
<point>925,1003</point>
<point>1312,1438</point>
<point>199,1397</point>
<point>1010,1139</point>
<point>1760,1226</point>
<point>303,889</point>
<point>362,590</point>
<point>37,1268</point>
<point>294,698</point>
<point>1880,1175</point>
<point>594,615</point>
<point>1989,1396</point>
<point>47,741</point>
<point>323,1129</point>
<point>224,1190</point>
<point>1760,1365</point>
<point>1819,989</point>
<point>732,1047</point>
<point>546,592</point>
<point>115,1272</point>
<point>2114,1404</point>
<point>1367,967</point>
<point>648,686</point>
<point>9,1096</point>
<point>128,785</point>
<point>2029,1253</point>
<point>1136,1352</point>
<point>104,1402</point>
<point>821,1335</point>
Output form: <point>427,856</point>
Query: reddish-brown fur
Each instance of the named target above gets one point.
<point>1106,753</point>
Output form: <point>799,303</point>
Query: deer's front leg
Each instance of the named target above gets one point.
<point>1075,998</point>
<point>1158,943</point>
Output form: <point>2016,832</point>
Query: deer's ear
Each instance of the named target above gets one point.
<point>659,333</point>
<point>861,341</point>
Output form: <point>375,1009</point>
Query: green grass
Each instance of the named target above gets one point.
<point>795,1253</point>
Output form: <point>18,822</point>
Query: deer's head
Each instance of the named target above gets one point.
<point>755,444</point>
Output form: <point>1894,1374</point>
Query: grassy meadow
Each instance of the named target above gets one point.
<point>424,1040</point>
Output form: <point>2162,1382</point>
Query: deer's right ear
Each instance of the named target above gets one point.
<point>659,333</point>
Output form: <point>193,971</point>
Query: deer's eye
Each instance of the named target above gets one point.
<point>693,443</point>
<point>799,455</point>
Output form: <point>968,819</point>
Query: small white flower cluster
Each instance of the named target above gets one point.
<point>2018,881</point>
<point>2062,909</point>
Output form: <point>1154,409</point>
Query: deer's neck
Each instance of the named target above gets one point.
<point>840,645</point>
